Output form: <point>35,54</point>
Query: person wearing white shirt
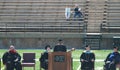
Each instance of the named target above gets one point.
<point>67,12</point>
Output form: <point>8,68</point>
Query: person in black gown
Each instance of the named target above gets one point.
<point>87,59</point>
<point>11,59</point>
<point>112,60</point>
<point>44,57</point>
<point>60,47</point>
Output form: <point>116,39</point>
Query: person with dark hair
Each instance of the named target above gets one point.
<point>60,47</point>
<point>44,57</point>
<point>87,59</point>
<point>77,12</point>
<point>11,59</point>
<point>112,59</point>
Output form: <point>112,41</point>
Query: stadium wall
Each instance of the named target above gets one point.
<point>40,43</point>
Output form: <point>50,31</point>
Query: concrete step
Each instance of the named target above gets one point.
<point>94,25</point>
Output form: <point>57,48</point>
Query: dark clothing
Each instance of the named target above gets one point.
<point>111,61</point>
<point>77,10</point>
<point>87,63</point>
<point>77,13</point>
<point>44,60</point>
<point>60,48</point>
<point>9,60</point>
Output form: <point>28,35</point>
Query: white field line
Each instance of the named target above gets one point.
<point>79,67</point>
<point>3,68</point>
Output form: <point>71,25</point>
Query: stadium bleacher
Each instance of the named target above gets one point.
<point>95,11</point>
<point>38,16</point>
<point>46,19</point>
<point>112,21</point>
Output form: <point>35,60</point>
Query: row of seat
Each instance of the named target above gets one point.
<point>42,28</point>
<point>46,16</point>
<point>24,11</point>
<point>112,22</point>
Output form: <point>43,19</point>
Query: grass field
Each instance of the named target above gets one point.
<point>100,55</point>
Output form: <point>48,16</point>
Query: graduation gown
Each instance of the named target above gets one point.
<point>60,48</point>
<point>111,61</point>
<point>44,60</point>
<point>9,60</point>
<point>86,60</point>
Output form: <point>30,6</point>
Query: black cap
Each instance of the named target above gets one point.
<point>47,46</point>
<point>60,40</point>
<point>86,46</point>
<point>116,48</point>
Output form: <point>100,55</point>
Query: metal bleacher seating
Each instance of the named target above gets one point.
<point>94,12</point>
<point>111,23</point>
<point>38,16</point>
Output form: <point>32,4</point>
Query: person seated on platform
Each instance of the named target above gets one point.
<point>77,13</point>
<point>112,59</point>
<point>60,47</point>
<point>11,59</point>
<point>44,57</point>
<point>87,59</point>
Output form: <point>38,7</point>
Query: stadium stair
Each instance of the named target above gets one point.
<point>111,23</point>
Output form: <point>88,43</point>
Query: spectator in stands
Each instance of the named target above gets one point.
<point>112,59</point>
<point>44,57</point>
<point>60,47</point>
<point>87,59</point>
<point>67,12</point>
<point>11,59</point>
<point>77,12</point>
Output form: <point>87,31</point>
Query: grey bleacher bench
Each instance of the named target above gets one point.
<point>31,21</point>
<point>44,20</point>
<point>111,27</point>
<point>55,12</point>
<point>42,28</point>
<point>44,5</point>
<point>43,2</point>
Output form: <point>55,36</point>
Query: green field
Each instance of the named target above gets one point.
<point>100,55</point>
